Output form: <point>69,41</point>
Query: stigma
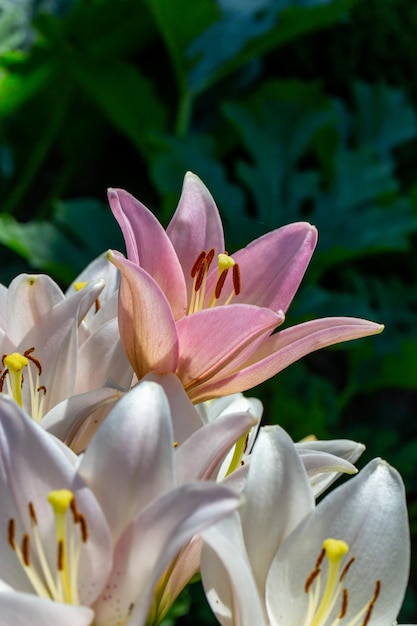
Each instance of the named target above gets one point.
<point>328,592</point>
<point>55,581</point>
<point>12,380</point>
<point>199,272</point>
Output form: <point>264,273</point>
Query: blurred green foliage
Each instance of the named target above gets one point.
<point>289,110</point>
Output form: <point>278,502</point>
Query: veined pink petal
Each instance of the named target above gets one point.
<point>147,326</point>
<point>196,224</point>
<point>140,425</point>
<point>272,267</point>
<point>284,348</point>
<point>149,246</point>
<point>219,339</point>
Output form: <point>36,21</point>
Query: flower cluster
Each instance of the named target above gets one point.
<point>130,459</point>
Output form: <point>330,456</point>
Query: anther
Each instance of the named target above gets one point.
<point>219,285</point>
<point>83,527</point>
<point>343,608</point>
<point>236,279</point>
<point>35,361</point>
<point>26,549</point>
<point>198,263</point>
<point>372,603</point>
<point>346,569</point>
<point>32,514</point>
<point>11,531</point>
<point>200,276</point>
<point>210,257</point>
<point>60,556</point>
<point>316,571</point>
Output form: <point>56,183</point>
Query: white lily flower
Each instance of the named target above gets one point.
<point>87,541</point>
<point>50,353</point>
<point>344,561</point>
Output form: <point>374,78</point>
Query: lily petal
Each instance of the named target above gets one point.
<point>369,513</point>
<point>277,482</point>
<point>146,323</point>
<point>21,609</point>
<point>196,225</point>
<point>140,425</point>
<point>153,540</point>
<point>223,346</point>
<point>227,577</point>
<point>284,348</point>
<point>149,246</point>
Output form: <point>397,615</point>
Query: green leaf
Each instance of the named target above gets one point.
<point>245,32</point>
<point>17,85</point>
<point>126,97</point>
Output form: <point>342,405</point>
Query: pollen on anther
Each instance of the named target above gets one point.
<point>346,569</point>
<point>200,276</point>
<point>219,284</point>
<point>26,549</point>
<point>32,514</point>
<point>343,608</point>
<point>316,571</point>
<point>372,603</point>
<point>197,263</point>
<point>11,531</point>
<point>83,527</point>
<point>236,279</point>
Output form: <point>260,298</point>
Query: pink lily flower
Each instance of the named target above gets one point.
<point>187,307</point>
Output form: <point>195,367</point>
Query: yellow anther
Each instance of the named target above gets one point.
<point>15,362</point>
<point>224,262</point>
<point>60,500</point>
<point>335,549</point>
<point>80,285</point>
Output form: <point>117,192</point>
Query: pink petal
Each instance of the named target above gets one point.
<point>148,245</point>
<point>271,267</point>
<point>220,340</point>
<point>147,327</point>
<point>196,225</point>
<point>284,348</point>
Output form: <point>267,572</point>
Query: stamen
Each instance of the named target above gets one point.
<point>372,603</point>
<point>80,285</point>
<point>321,604</point>
<point>26,549</point>
<point>219,284</point>
<point>236,279</point>
<point>197,263</point>
<point>32,514</point>
<point>13,378</point>
<point>11,531</point>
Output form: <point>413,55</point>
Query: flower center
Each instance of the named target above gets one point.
<point>330,606</point>
<point>199,273</point>
<point>11,380</point>
<point>59,582</point>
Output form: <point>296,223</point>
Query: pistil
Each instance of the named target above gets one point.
<point>199,273</point>
<point>13,378</point>
<point>56,582</point>
<point>321,605</point>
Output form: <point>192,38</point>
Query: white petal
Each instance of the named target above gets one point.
<point>369,513</point>
<point>227,577</point>
<point>148,546</point>
<point>278,496</point>
<point>129,462</point>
